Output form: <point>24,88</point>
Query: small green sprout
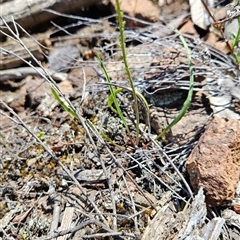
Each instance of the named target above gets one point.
<point>41,135</point>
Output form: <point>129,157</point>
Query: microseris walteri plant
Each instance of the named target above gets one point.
<point>122,46</point>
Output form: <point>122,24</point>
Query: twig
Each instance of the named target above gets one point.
<point>56,214</point>
<point>137,232</point>
<point>216,23</point>
<point>54,158</point>
<point>75,229</point>
<point>175,168</point>
<point>159,179</point>
<point>95,132</point>
<point>20,73</point>
<point>66,220</point>
<point>116,234</point>
<point>54,86</point>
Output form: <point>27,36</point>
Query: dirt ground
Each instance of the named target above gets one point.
<point>89,177</point>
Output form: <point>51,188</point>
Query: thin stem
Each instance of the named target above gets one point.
<point>125,62</point>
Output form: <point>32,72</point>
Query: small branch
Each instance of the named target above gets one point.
<point>20,73</point>
<point>75,229</point>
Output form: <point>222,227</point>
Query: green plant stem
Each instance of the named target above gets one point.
<point>122,39</point>
<point>112,92</point>
<point>190,91</point>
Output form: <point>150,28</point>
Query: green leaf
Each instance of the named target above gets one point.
<point>63,104</point>
<point>41,135</point>
<point>190,91</point>
<point>112,92</point>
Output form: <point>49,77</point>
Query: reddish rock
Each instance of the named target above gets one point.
<point>214,162</point>
<point>143,9</point>
<point>236,209</point>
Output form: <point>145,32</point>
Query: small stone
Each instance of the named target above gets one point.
<point>215,160</point>
<point>31,162</point>
<point>61,59</point>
